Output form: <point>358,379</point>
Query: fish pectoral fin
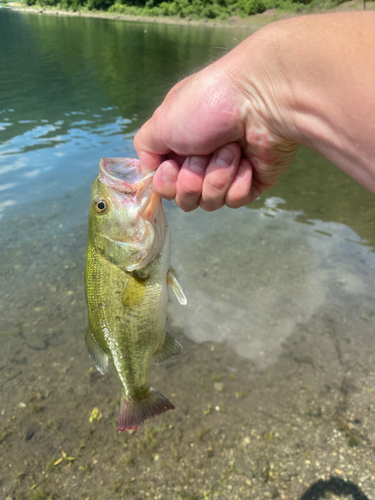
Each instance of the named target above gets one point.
<point>176,287</point>
<point>98,356</point>
<point>134,411</point>
<point>169,349</point>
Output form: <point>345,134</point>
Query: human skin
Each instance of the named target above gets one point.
<point>225,134</point>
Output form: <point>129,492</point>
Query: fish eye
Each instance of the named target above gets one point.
<point>100,205</point>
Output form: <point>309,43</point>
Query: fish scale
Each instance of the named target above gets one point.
<point>126,278</point>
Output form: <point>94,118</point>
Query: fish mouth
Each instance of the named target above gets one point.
<point>123,174</point>
<point>124,177</point>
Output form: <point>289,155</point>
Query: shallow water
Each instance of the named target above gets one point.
<point>275,389</point>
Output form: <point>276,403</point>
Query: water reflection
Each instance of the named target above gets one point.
<point>80,88</point>
<point>252,276</point>
<point>321,191</point>
<point>44,159</point>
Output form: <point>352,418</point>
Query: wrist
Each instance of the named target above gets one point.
<point>312,79</point>
<point>263,97</point>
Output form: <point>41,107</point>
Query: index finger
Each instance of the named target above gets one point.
<point>150,149</point>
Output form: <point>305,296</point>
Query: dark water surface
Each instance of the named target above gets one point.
<point>274,393</point>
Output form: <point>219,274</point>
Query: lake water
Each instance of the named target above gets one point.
<point>274,393</point>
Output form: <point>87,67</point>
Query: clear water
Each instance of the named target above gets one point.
<point>274,393</point>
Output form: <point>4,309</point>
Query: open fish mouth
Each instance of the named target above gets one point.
<point>125,178</point>
<point>124,175</point>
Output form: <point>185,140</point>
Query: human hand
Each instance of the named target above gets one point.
<point>227,133</point>
<point>221,135</point>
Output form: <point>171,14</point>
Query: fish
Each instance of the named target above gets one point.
<point>127,273</point>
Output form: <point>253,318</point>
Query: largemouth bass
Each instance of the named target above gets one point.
<point>126,280</point>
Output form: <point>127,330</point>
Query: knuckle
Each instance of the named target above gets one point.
<point>188,188</point>
<point>216,182</point>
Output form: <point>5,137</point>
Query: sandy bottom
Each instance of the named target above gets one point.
<point>293,427</point>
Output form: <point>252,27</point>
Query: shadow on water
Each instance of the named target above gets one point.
<point>326,194</point>
<point>334,485</point>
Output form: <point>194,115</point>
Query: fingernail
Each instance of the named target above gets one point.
<point>224,158</point>
<point>197,164</point>
<point>167,173</point>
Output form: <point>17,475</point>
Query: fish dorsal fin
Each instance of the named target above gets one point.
<point>98,356</point>
<point>169,349</point>
<point>176,287</point>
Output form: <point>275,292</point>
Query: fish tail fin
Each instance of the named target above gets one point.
<point>133,412</point>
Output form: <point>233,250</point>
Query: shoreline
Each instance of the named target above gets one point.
<point>253,22</point>
<point>256,21</point>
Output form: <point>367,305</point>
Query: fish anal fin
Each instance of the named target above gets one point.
<point>98,356</point>
<point>133,412</point>
<point>169,349</point>
<point>176,287</point>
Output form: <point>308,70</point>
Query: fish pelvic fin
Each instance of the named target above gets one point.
<point>172,279</point>
<point>169,349</point>
<point>133,412</point>
<point>98,356</point>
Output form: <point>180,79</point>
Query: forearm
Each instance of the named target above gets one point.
<point>321,72</point>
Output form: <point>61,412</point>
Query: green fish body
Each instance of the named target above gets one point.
<point>126,280</point>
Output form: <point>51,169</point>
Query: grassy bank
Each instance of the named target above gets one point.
<point>192,11</point>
